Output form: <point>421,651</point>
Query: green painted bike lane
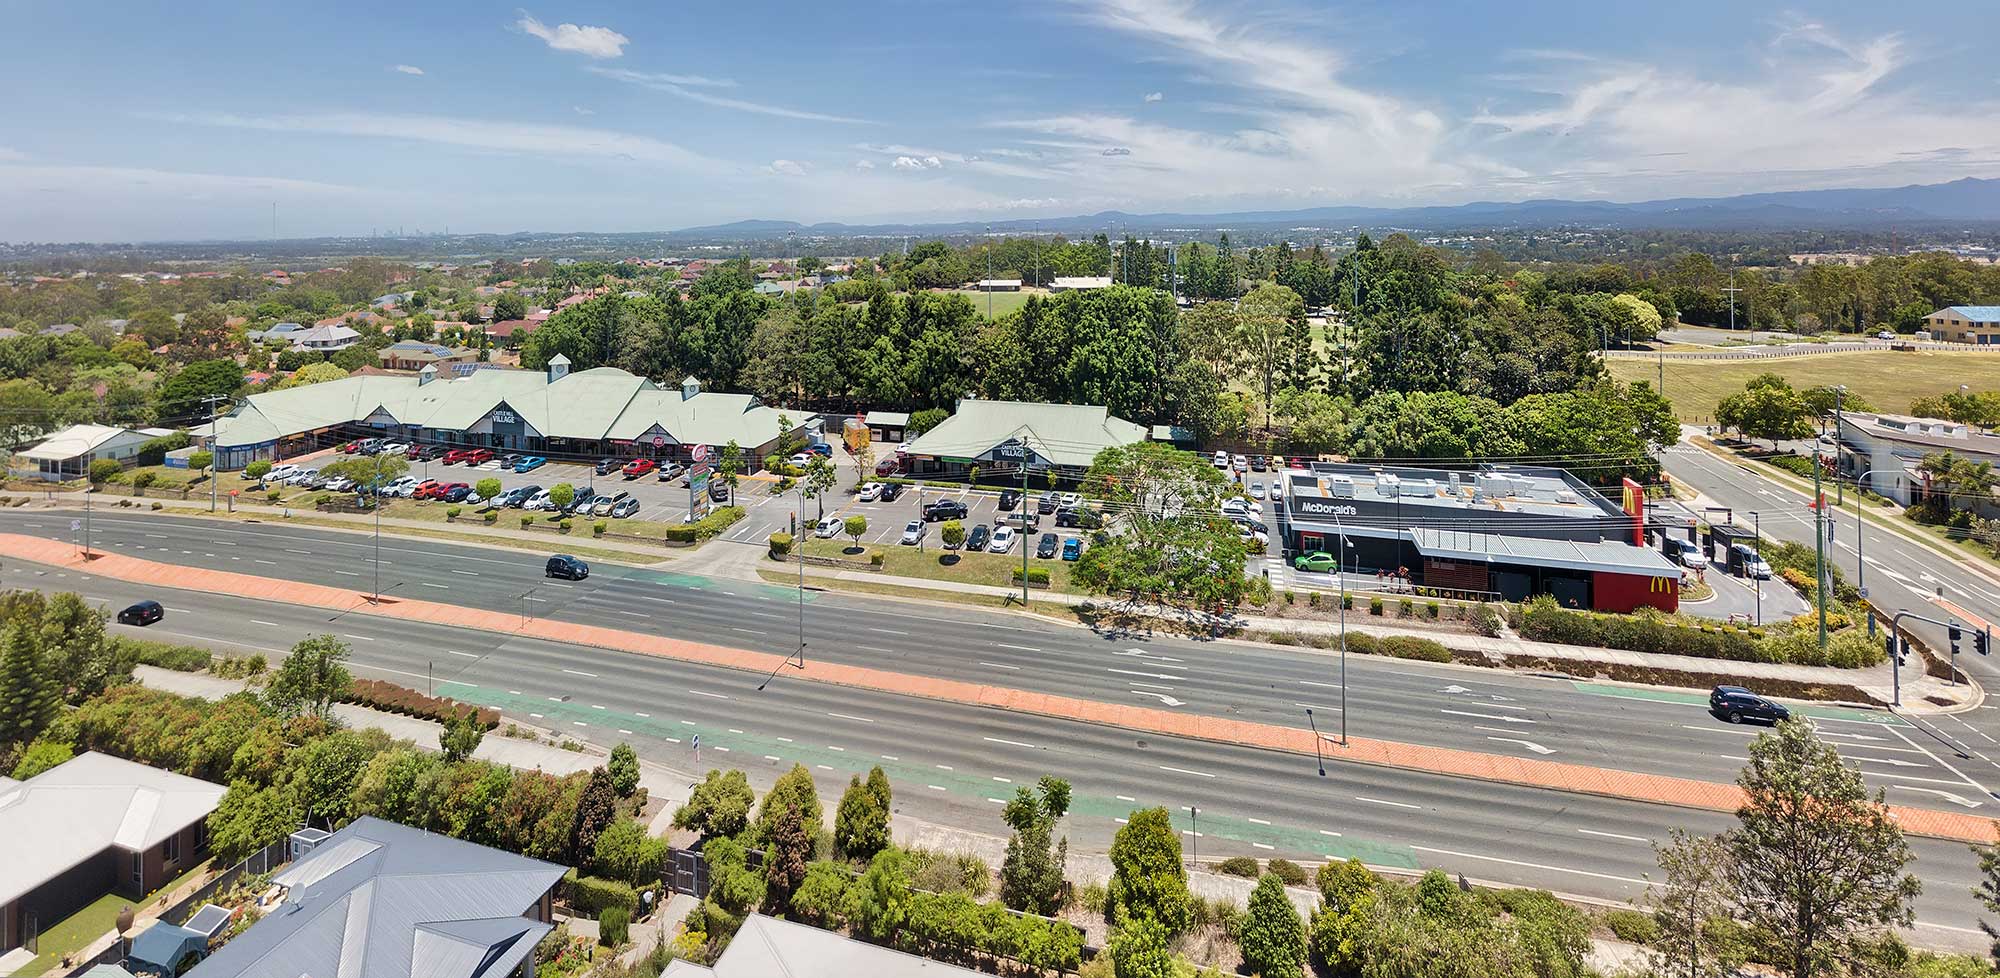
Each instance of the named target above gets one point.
<point>1881,717</point>
<point>696,582</point>
<point>726,748</point>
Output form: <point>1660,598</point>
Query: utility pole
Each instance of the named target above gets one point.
<point>1732,290</point>
<point>208,402</point>
<point>1839,487</point>
<point>1819,547</point>
<point>1025,503</point>
<point>1757,527</point>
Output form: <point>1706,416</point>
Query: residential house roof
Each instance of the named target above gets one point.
<point>382,900</point>
<point>1924,433</point>
<point>1977,314</point>
<point>765,947</point>
<point>334,333</point>
<point>73,441</point>
<point>87,804</point>
<point>1065,434</point>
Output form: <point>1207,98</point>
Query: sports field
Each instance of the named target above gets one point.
<point>1887,379</point>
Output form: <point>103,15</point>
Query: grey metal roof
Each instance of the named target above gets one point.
<point>768,948</point>
<point>87,804</point>
<point>1620,558</point>
<point>382,900</point>
<point>1065,434</point>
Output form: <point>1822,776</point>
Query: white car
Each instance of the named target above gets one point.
<point>394,448</point>
<point>1222,460</point>
<point>1256,490</point>
<point>300,476</point>
<point>1069,500</point>
<point>339,483</point>
<point>913,532</point>
<point>1239,505</point>
<point>1693,559</point>
<point>401,488</point>
<point>829,527</point>
<point>798,461</point>
<point>280,473</point>
<point>1003,540</point>
<point>539,500</point>
<point>1242,463</point>
<point>870,491</point>
<point>1885,335</point>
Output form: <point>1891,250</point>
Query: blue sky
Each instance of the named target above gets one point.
<point>188,120</point>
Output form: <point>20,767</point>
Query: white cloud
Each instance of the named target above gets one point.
<point>1156,96</point>
<point>513,137</point>
<point>580,110</point>
<point>591,42</point>
<point>917,163</point>
<point>408,69</point>
<point>679,85</point>
<point>864,164</point>
<point>787,168</point>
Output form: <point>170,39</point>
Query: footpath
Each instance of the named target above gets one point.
<point>1561,776</point>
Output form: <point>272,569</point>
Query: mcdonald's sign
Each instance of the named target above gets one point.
<point>1663,585</point>
<point>1635,507</point>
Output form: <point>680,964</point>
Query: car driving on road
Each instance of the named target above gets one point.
<point>1736,705</point>
<point>566,567</point>
<point>142,614</point>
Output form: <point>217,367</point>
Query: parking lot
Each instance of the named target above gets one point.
<point>765,514</point>
<point>665,502</point>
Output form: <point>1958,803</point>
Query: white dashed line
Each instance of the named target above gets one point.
<point>588,675</point>
<point>1256,821</point>
<point>843,716</point>
<point>1614,835</point>
<point>1010,743</point>
<point>1181,770</point>
<point>935,787</point>
<point>716,696</point>
<point>1394,804</point>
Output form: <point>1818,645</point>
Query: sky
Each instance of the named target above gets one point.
<point>190,120</point>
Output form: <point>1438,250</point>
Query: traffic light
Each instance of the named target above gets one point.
<point>1900,655</point>
<point>1982,641</point>
<point>1955,633</point>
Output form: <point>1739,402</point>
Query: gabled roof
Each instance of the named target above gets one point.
<point>382,900</point>
<point>75,440</point>
<point>1977,314</point>
<point>1066,434</point>
<point>90,803</point>
<point>768,948</point>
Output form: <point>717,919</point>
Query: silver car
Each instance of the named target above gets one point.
<point>913,533</point>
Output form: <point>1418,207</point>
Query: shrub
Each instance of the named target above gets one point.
<point>451,512</point>
<point>781,545</point>
<point>1090,896</point>
<point>613,926</point>
<point>492,517</point>
<point>594,895</point>
<point>1405,607</point>
<point>1411,647</point>
<point>1485,620</point>
<point>1312,599</point>
<point>1243,866</point>
<point>566,524</point>
<point>1292,873</point>
<point>527,520</point>
<point>1431,610</point>
<point>179,658</point>
<point>1346,601</point>
<point>1037,576</point>
<point>105,470</point>
<point>140,480</point>
<point>598,528</point>
<point>1291,598</point>
<point>390,698</point>
<point>1375,607</point>
<point>1632,926</point>
<point>157,506</point>
<point>717,520</point>
<point>274,495</point>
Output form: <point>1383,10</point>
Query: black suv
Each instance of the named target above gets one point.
<point>945,509</point>
<point>143,613</point>
<point>1736,704</point>
<point>890,490</point>
<point>975,542</point>
<point>1045,548</point>
<point>1009,498</point>
<point>567,567</point>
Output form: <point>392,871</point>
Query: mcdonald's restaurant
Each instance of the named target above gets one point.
<point>1495,532</point>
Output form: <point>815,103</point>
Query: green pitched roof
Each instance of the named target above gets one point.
<point>1065,434</point>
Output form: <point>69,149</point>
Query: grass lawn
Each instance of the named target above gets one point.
<point>967,568</point>
<point>74,932</point>
<point>1002,302</point>
<point>1886,379</point>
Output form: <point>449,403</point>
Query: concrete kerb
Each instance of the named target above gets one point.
<point>1561,776</point>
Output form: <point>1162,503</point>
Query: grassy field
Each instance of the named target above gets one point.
<point>968,568</point>
<point>1003,302</point>
<point>1888,380</point>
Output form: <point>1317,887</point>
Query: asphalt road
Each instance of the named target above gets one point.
<point>1653,731</point>
<point>953,764</point>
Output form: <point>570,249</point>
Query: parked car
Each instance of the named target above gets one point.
<point>508,461</point>
<point>427,489</point>
<point>1009,498</point>
<point>1003,540</point>
<point>889,466</point>
<point>1045,548</point>
<point>423,453</point>
<point>821,449</point>
<point>394,448</point>
<point>400,487</point>
<point>529,463</point>
<point>625,508</point>
<point>278,473</point>
<point>1883,334</point>
<point>479,456</point>
<point>1239,463</point>
<point>890,490</point>
<point>142,614</point>
<point>718,491</point>
<point>828,527</point>
<point>1258,463</point>
<point>799,460</point>
<point>913,532</point>
<point>348,447</point>
<point>606,466</point>
<point>566,567</point>
<point>977,540</point>
<point>1316,560</point>
<point>339,483</point>
<point>1221,460</point>
<point>457,492</point>
<point>298,477</point>
<point>1068,500</point>
<point>1045,503</point>
<point>1256,490</point>
<point>604,504</point>
<point>518,498</point>
<point>870,491</point>
<point>669,471</point>
<point>1072,549</point>
<point>1736,704</point>
<point>945,509</point>
<point>638,467</point>
<point>579,504</point>
<point>455,456</point>
<point>539,500</point>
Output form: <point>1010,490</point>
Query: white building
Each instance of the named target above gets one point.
<point>1072,283</point>
<point>67,454</point>
<point>1887,449</point>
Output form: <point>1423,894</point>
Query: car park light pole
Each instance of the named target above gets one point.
<point>1757,527</point>
<point>1342,529</point>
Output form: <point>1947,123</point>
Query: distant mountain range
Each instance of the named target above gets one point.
<point>1966,201</point>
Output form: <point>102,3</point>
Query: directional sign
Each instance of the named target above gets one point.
<point>697,741</point>
<point>75,525</point>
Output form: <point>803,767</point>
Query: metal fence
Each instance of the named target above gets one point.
<point>262,861</point>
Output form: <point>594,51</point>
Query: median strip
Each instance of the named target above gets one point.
<point>1529,772</point>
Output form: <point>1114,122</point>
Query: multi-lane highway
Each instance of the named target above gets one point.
<point>951,764</point>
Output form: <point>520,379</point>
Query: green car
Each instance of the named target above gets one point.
<point>1317,560</point>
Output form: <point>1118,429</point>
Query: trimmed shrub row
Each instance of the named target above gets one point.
<point>593,895</point>
<point>715,522</point>
<point>165,655</point>
<point>391,698</point>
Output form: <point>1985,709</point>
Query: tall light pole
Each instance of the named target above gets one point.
<point>1340,564</point>
<point>208,402</point>
<point>1757,527</point>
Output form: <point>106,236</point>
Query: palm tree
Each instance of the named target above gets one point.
<point>1940,470</point>
<point>1974,481</point>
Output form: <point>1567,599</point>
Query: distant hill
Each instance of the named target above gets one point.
<point>1969,200</point>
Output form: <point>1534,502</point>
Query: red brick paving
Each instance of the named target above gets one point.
<point>1555,775</point>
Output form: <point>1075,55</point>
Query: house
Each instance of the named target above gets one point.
<point>1965,324</point>
<point>510,330</point>
<point>1002,435</point>
<point>998,285</point>
<point>67,454</point>
<point>765,947</point>
<point>768,288</point>
<point>416,354</point>
<point>94,825</point>
<point>382,900</point>
<point>325,338</point>
<point>279,331</point>
<point>1888,450</point>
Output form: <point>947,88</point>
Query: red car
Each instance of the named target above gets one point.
<point>478,456</point>
<point>455,456</point>
<point>349,448</point>
<point>638,467</point>
<point>427,489</point>
<point>888,466</point>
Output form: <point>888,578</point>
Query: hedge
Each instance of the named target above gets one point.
<point>1243,866</point>
<point>1410,647</point>
<point>715,522</point>
<point>780,544</point>
<point>391,698</point>
<point>1646,630</point>
<point>165,655</point>
<point>1037,576</point>
<point>594,895</point>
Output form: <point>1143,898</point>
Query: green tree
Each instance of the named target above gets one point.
<point>258,469</point>
<point>1147,878</point>
<point>794,789</point>
<point>719,806</point>
<point>460,735</point>
<point>1772,411</point>
<point>855,527</point>
<point>1273,938</point>
<point>1988,890</point>
<point>922,421</point>
<point>953,533</point>
<point>250,818</point>
<point>624,852</point>
<point>1141,948</point>
<point>1695,935</point>
<point>624,767</point>
<point>1168,538</point>
<point>821,900</point>
<point>787,849</point>
<point>1031,874</point>
<point>312,678</point>
<point>185,394</point>
<point>84,660</point>
<point>104,470</point>
<point>1816,864</point>
<point>29,698</point>
<point>820,478</point>
<point>1340,926</point>
<point>200,461</point>
<point>879,902</point>
<point>313,373</point>
<point>561,495</point>
<point>41,756</point>
<point>595,811</point>
<point>861,823</point>
<point>487,488</point>
<point>730,466</point>
<point>509,306</point>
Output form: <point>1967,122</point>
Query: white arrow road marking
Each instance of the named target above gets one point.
<point>1946,795</point>
<point>1454,689</point>
<point>1891,761</point>
<point>1148,675</point>
<point>1164,698</point>
<point>1529,744</point>
<point>1488,716</point>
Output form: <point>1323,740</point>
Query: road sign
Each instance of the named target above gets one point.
<point>75,525</point>
<point>697,741</point>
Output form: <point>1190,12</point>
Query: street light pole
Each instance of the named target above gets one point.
<point>209,403</point>
<point>1340,562</point>
<point>1757,527</point>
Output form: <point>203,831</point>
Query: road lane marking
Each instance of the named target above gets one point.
<point>1330,832</point>
<point>1515,862</point>
<point>717,696</point>
<point>1488,716</point>
<point>1017,648</point>
<point>1614,835</point>
<point>446,587</point>
<point>1182,770</point>
<point>466,573</point>
<point>1308,682</point>
<point>1393,804</point>
<point>1256,821</point>
<point>1003,780</point>
<point>844,716</point>
<point>888,631</point>
<point>998,665</point>
<point>935,787</point>
<point>1128,798</point>
<point>456,652</point>
<point>358,638</point>
<point>267,624</point>
<point>1010,743</point>
<point>943,767</point>
<point>587,675</point>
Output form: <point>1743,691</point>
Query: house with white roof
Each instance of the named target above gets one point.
<point>67,454</point>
